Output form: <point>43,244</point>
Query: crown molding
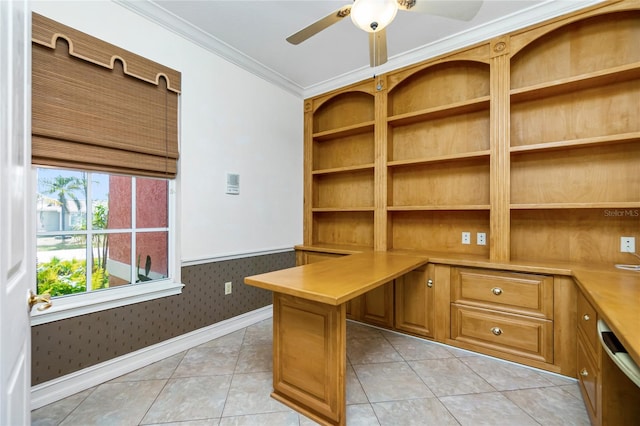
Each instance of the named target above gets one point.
<point>171,22</point>
<point>535,14</point>
<point>530,16</point>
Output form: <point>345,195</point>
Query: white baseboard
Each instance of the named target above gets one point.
<point>62,387</point>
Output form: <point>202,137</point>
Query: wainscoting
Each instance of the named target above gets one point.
<point>66,347</point>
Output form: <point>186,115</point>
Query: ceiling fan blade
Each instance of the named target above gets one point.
<point>462,10</point>
<point>319,25</point>
<point>378,47</point>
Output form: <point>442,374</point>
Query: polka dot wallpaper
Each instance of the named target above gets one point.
<point>62,347</point>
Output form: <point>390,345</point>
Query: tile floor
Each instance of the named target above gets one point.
<point>392,379</point>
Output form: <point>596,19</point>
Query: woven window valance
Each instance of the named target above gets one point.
<point>96,106</point>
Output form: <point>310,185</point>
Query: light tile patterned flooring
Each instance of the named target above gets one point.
<point>392,379</point>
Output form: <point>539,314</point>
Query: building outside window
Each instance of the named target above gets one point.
<point>97,232</point>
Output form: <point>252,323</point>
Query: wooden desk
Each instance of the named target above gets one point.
<point>309,326</point>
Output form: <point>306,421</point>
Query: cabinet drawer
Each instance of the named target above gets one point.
<point>523,336</point>
<point>587,322</point>
<point>588,377</point>
<point>519,293</point>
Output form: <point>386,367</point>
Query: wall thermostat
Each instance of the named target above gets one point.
<point>233,183</point>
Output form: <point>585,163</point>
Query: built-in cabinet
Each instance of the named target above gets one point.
<point>588,353</point>
<point>502,311</point>
<point>375,307</point>
<point>532,138</point>
<point>415,302</point>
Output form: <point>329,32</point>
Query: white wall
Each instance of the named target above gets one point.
<point>231,121</point>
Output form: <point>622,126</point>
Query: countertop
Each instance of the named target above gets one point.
<point>339,280</point>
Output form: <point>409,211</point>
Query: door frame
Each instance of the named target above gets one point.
<point>17,263</point>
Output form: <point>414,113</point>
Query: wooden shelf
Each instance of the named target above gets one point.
<point>458,108</point>
<point>341,209</point>
<point>580,82</point>
<point>342,226</point>
<point>590,176</point>
<point>443,207</point>
<point>441,185</point>
<point>577,143</point>
<point>440,159</point>
<point>343,169</point>
<point>438,230</point>
<point>601,205</point>
<point>344,249</point>
<point>341,132</point>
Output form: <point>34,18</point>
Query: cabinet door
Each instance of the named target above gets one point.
<point>415,302</point>
<point>375,306</point>
<point>588,378</point>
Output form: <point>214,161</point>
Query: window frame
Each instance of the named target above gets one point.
<point>77,304</point>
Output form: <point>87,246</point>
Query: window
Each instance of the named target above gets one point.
<point>103,238</point>
<point>100,115</point>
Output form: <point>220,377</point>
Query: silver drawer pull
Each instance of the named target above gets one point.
<point>429,283</point>
<point>586,317</point>
<point>496,331</point>
<point>497,291</point>
<point>584,372</point>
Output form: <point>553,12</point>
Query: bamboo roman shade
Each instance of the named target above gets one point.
<point>99,107</point>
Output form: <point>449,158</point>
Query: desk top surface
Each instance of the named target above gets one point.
<point>338,280</point>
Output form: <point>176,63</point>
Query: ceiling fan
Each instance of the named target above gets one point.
<point>373,16</point>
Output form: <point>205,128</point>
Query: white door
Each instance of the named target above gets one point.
<point>17,266</point>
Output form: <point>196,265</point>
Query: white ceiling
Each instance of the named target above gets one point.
<point>252,33</point>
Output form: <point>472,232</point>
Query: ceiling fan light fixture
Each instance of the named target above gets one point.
<point>373,15</point>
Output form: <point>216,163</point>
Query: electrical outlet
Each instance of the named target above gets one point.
<point>481,239</point>
<point>227,287</point>
<point>627,244</point>
<point>466,238</point>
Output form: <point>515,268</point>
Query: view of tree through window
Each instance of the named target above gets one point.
<point>97,231</point>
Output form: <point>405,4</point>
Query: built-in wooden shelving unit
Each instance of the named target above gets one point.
<point>532,138</point>
<point>548,160</point>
